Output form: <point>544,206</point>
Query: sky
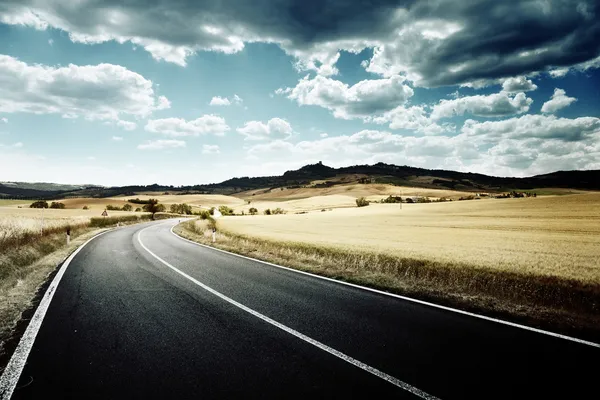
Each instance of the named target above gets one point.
<point>121,92</point>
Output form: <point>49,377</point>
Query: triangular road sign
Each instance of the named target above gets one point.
<point>104,214</point>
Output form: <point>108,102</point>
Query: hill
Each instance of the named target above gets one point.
<point>321,176</point>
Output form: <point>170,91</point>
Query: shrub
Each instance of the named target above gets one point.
<point>278,211</point>
<point>39,204</point>
<point>138,201</point>
<point>138,210</point>
<point>253,211</point>
<point>392,199</point>
<point>204,214</point>
<point>86,208</point>
<point>362,202</point>
<point>224,210</point>
<point>113,208</point>
<point>58,205</point>
<point>182,208</point>
<point>267,211</point>
<point>127,207</point>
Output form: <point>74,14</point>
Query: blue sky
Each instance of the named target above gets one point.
<point>114,93</point>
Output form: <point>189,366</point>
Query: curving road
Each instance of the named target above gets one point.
<point>141,313</point>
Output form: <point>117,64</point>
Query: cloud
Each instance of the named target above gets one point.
<point>127,125</point>
<point>224,101</point>
<point>361,100</point>
<point>535,126</point>
<point>493,105</point>
<point>412,118</point>
<point>161,144</point>
<point>518,84</point>
<point>219,101</point>
<point>558,101</point>
<point>50,42</point>
<point>207,124</point>
<point>514,147</point>
<point>117,138</point>
<point>257,130</point>
<point>95,92</point>
<point>433,43</point>
<point>91,158</point>
<point>210,149</point>
<point>323,135</point>
<point>5,120</point>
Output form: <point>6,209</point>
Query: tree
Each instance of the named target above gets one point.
<point>86,208</point>
<point>268,211</point>
<point>39,204</point>
<point>127,207</point>
<point>138,209</point>
<point>153,207</point>
<point>253,211</point>
<point>56,204</point>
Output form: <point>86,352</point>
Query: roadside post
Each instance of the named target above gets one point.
<point>68,235</point>
<point>214,234</point>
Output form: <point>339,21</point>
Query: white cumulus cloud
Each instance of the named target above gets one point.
<point>207,124</point>
<point>117,138</point>
<point>95,92</point>
<point>274,128</point>
<point>518,84</point>
<point>361,100</point>
<point>558,101</point>
<point>493,105</point>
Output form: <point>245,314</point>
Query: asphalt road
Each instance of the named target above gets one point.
<point>204,324</point>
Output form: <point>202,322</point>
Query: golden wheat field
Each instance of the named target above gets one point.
<point>552,236</point>
<point>370,191</point>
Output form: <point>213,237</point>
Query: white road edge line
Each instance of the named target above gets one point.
<point>348,359</point>
<point>455,310</point>
<point>12,373</point>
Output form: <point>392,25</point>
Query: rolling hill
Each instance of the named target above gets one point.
<point>321,176</point>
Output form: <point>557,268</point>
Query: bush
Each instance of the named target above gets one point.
<point>362,202</point>
<point>110,207</point>
<point>39,204</point>
<point>138,210</point>
<point>127,207</point>
<point>182,208</point>
<point>392,199</point>
<point>253,211</point>
<point>58,205</point>
<point>138,201</point>
<point>204,214</point>
<point>267,211</point>
<point>86,208</point>
<point>224,210</point>
<point>278,211</point>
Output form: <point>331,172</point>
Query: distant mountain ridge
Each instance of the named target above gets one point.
<point>377,173</point>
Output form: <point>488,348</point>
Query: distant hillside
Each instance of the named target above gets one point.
<point>326,176</point>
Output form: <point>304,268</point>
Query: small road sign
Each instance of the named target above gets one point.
<point>104,213</point>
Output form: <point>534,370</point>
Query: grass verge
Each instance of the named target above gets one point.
<point>558,304</point>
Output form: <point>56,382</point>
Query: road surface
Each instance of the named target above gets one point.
<point>141,313</point>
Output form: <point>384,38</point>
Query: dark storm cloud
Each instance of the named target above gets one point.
<point>433,42</point>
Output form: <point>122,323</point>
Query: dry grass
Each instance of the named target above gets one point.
<point>197,200</point>
<point>353,190</point>
<point>553,236</point>
<point>536,260</point>
<point>18,289</point>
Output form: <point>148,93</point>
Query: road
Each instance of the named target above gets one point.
<point>141,313</point>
